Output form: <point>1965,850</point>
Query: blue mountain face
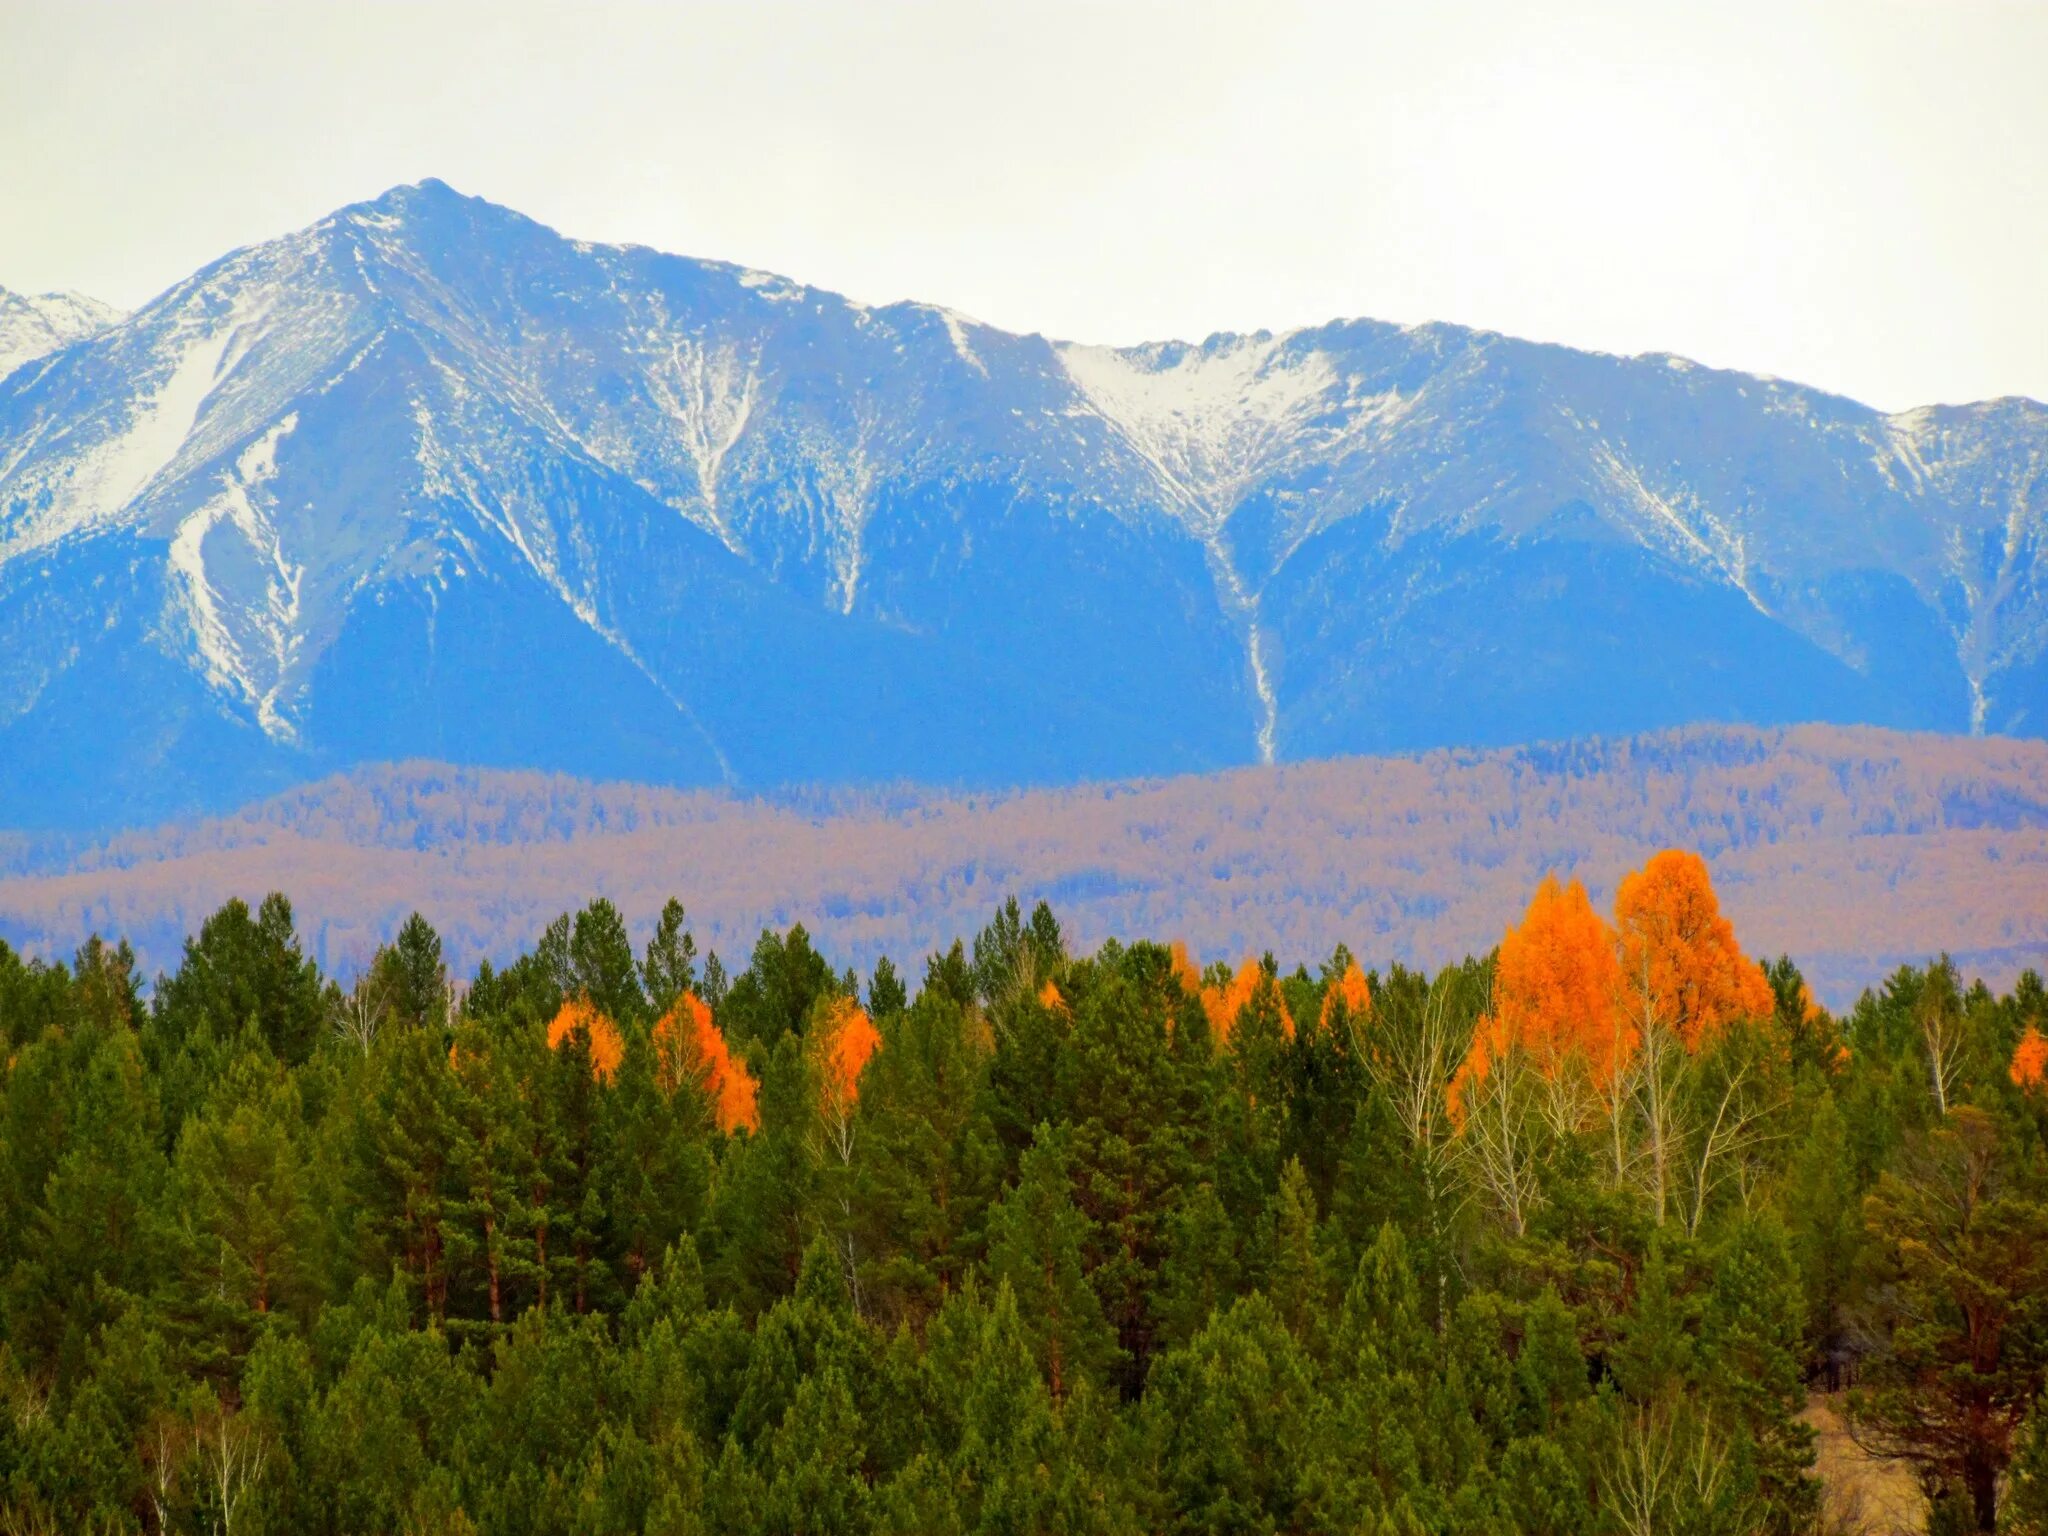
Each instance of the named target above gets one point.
<point>427,479</point>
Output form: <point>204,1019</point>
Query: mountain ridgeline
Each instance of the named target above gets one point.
<point>427,479</point>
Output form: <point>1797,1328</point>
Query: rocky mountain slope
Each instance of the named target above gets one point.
<point>427,479</point>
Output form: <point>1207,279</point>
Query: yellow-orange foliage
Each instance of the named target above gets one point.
<point>1556,984</point>
<point>1352,992</point>
<point>1809,1010</point>
<point>843,1038</point>
<point>1489,1040</point>
<point>1223,1004</point>
<point>1679,958</point>
<point>2030,1061</point>
<point>1184,969</point>
<point>1556,987</point>
<point>687,1044</point>
<point>607,1049</point>
<point>1049,996</point>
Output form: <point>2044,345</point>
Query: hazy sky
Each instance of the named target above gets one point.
<point>1850,194</point>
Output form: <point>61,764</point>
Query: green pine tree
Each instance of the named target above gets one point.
<point>1037,1239</point>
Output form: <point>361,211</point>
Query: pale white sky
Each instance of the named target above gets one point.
<point>1850,194</point>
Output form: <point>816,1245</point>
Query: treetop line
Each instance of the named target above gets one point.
<point>1556,1239</point>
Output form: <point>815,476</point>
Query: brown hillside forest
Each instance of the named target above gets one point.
<point>612,1238</point>
<point>1855,850</point>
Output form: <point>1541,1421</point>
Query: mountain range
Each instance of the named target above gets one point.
<point>427,479</point>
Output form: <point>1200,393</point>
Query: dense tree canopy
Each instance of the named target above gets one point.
<point>612,1239</point>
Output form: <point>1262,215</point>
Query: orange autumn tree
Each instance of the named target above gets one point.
<point>1628,1012</point>
<point>2030,1062</point>
<point>1679,960</point>
<point>607,1049</point>
<point>1185,971</point>
<point>688,1046</point>
<point>1695,1114</point>
<point>1223,1004</point>
<point>840,1041</point>
<point>1348,997</point>
<point>1556,984</point>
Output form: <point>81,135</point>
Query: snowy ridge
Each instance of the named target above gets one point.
<point>35,325</point>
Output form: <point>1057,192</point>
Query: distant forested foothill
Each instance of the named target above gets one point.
<point>617,1238</point>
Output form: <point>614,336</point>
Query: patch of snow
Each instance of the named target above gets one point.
<point>96,486</point>
<point>1207,419</point>
<point>1729,557</point>
<point>847,479</point>
<point>777,290</point>
<point>708,392</point>
<point>956,327</point>
<point>1973,635</point>
<point>1903,440</point>
<point>1718,549</point>
<point>445,475</point>
<point>246,642</point>
<point>1262,685</point>
<point>1209,422</point>
<point>354,363</point>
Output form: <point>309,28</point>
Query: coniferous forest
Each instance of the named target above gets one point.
<point>624,1237</point>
